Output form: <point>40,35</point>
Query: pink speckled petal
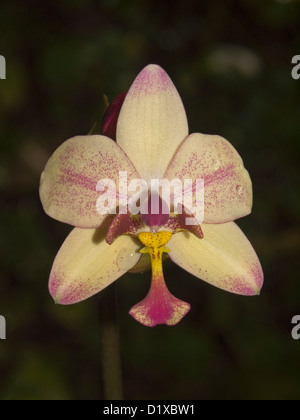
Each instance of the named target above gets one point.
<point>224,258</point>
<point>227,185</point>
<point>152,122</point>
<point>86,264</point>
<point>69,181</point>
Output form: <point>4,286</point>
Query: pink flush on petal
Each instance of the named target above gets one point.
<point>152,80</point>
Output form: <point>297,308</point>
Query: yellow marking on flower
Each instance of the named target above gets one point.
<point>155,240</point>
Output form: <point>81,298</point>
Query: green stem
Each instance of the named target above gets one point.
<point>109,329</point>
<point>96,129</point>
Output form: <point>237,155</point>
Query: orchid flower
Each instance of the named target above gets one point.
<point>152,142</point>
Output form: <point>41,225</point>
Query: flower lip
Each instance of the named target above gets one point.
<point>159,306</point>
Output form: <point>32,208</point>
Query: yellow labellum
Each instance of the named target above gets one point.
<point>155,240</point>
<point>155,247</point>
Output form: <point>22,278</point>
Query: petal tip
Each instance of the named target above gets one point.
<point>54,285</point>
<point>258,276</point>
<point>252,285</point>
<point>152,79</point>
<point>57,290</point>
<point>56,300</point>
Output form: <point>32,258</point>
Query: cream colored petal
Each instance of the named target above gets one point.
<point>152,122</point>
<point>227,185</point>
<point>86,264</point>
<point>68,188</point>
<point>224,258</point>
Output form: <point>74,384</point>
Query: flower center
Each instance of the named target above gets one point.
<point>154,211</point>
<point>154,241</point>
<point>159,306</point>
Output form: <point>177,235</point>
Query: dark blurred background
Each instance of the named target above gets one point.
<point>231,63</point>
